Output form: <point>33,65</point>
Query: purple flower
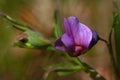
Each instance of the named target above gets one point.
<point>77,39</point>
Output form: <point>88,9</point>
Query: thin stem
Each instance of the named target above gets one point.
<point>103,40</point>
<point>90,71</point>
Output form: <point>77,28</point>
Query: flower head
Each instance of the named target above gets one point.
<point>77,39</point>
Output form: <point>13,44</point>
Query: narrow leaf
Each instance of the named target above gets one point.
<point>56,25</point>
<point>117,36</point>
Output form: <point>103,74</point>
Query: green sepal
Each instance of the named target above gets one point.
<point>34,40</point>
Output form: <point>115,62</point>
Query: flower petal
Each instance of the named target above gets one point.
<point>68,43</point>
<point>59,44</point>
<point>78,51</point>
<point>71,25</point>
<point>83,36</point>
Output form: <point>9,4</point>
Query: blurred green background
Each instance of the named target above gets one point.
<point>26,64</point>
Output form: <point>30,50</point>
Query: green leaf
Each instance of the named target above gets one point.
<point>71,69</point>
<point>16,24</point>
<point>63,69</point>
<point>56,25</point>
<point>117,36</point>
<point>65,73</point>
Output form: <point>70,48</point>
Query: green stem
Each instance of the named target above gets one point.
<point>90,71</point>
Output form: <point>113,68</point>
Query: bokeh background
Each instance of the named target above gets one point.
<point>26,64</point>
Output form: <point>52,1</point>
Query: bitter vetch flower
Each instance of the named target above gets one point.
<point>77,39</point>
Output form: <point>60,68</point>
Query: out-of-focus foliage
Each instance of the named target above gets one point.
<point>9,65</point>
<point>11,6</point>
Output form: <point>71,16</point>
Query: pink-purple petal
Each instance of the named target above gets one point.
<point>67,27</point>
<point>68,42</point>
<point>80,32</point>
<point>83,36</point>
<point>71,25</point>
